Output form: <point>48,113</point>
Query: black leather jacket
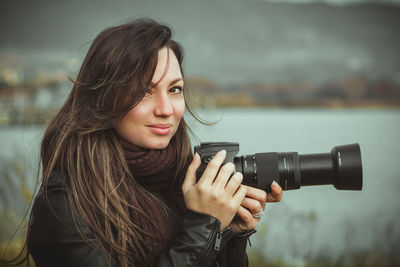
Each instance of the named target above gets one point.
<point>55,241</point>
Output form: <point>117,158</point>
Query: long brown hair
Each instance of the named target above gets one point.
<point>81,141</point>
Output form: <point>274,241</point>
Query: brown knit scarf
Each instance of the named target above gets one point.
<point>154,170</point>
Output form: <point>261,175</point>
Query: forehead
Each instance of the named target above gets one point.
<point>167,66</point>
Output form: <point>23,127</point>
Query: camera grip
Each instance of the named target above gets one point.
<point>208,150</point>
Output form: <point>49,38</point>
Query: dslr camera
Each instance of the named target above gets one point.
<point>342,167</point>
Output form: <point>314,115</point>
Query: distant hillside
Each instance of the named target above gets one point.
<point>227,41</point>
<point>352,92</point>
<point>269,42</point>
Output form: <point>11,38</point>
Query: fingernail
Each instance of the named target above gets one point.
<point>223,151</point>
<point>274,184</point>
<point>195,156</point>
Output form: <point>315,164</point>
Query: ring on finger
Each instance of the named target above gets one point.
<point>258,215</point>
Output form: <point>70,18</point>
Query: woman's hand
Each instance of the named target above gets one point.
<point>253,204</point>
<point>214,193</point>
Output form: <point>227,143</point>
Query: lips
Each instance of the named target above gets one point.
<point>160,129</point>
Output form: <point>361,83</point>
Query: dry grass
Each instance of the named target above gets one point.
<point>15,185</point>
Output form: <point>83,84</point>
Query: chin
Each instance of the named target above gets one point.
<point>158,144</point>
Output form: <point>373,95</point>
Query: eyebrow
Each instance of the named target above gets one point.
<point>171,83</point>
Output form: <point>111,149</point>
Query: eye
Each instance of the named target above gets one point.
<point>176,89</point>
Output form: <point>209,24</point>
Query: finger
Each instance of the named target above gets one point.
<point>213,167</point>
<point>249,221</point>
<point>234,183</point>
<point>254,206</point>
<point>257,194</point>
<point>190,179</point>
<point>239,195</point>
<point>276,193</point>
<point>223,176</point>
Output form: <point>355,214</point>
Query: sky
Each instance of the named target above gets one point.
<point>333,2</point>
<point>229,42</point>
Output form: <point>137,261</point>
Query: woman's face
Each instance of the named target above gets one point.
<point>154,120</point>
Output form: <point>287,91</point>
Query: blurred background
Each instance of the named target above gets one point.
<point>280,76</point>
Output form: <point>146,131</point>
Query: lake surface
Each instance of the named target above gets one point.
<point>312,220</point>
<point>321,219</point>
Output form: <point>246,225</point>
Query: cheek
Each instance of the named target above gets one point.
<point>180,109</point>
<point>131,120</point>
<point>139,113</point>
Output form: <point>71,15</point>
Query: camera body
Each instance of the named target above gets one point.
<point>342,167</point>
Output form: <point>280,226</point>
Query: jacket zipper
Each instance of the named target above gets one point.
<point>219,237</point>
<point>208,250</point>
<point>218,241</point>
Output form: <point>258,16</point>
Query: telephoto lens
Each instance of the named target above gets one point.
<point>341,167</point>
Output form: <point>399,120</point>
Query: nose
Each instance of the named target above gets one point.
<point>163,106</point>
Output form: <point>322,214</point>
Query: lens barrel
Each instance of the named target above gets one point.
<point>342,168</point>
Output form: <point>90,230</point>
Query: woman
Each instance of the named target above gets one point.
<point>119,186</point>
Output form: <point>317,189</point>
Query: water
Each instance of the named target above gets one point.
<point>321,219</point>
<point>312,220</point>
